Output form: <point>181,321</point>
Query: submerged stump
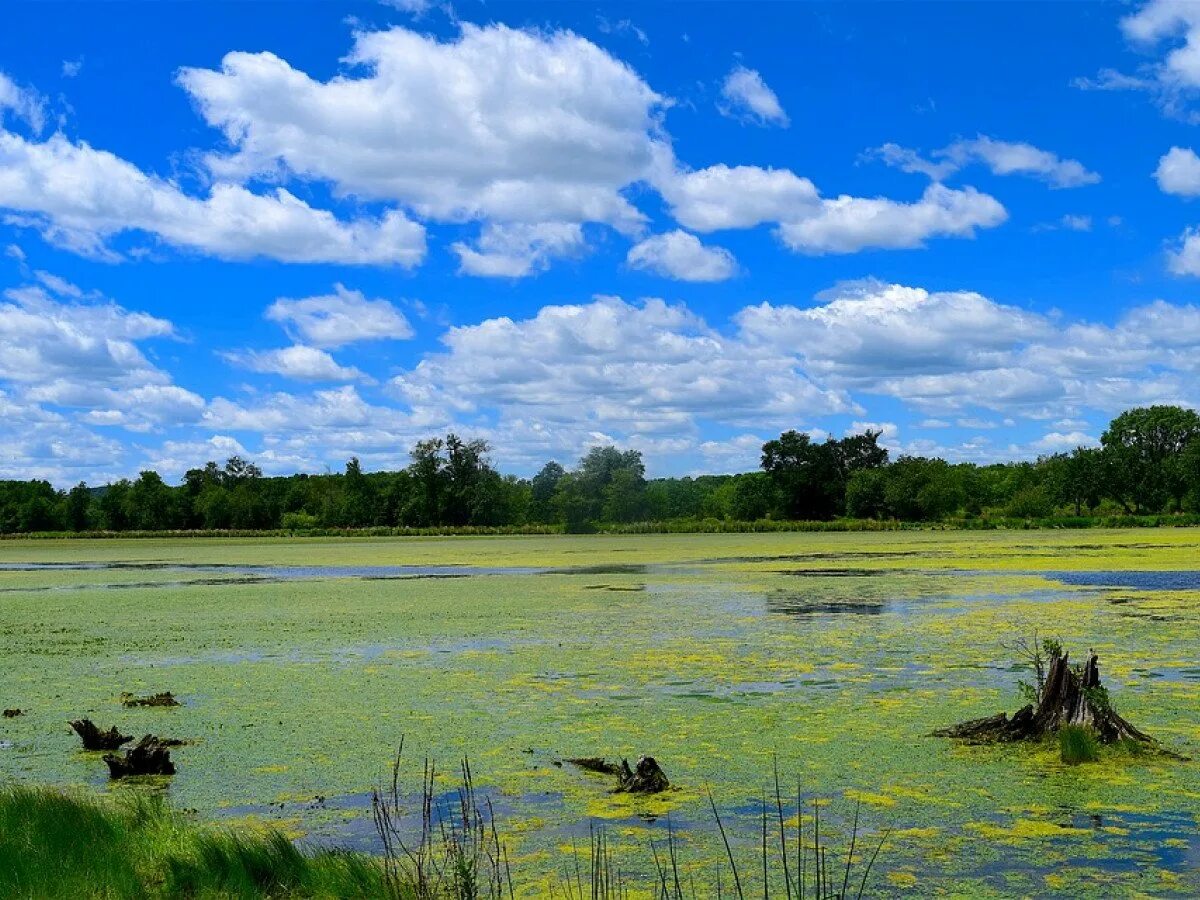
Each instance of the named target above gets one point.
<point>647,777</point>
<point>149,756</point>
<point>1069,695</point>
<point>166,698</point>
<point>95,739</point>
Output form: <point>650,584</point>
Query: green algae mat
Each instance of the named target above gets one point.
<point>300,664</point>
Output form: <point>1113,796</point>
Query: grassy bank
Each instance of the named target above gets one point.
<point>55,844</point>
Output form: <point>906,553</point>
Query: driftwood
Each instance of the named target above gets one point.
<point>166,698</point>
<point>1068,695</point>
<point>95,739</point>
<point>646,778</point>
<point>149,756</point>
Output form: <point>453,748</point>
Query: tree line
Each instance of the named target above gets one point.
<point>1148,462</point>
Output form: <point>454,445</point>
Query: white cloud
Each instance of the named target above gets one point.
<point>1060,442</point>
<point>680,255</point>
<point>1178,172</point>
<point>43,339</point>
<point>24,103</point>
<point>1184,257</point>
<point>849,224</point>
<point>79,197</point>
<point>72,67</point>
<point>340,407</point>
<point>1174,78</point>
<point>868,330</point>
<point>37,443</point>
<point>1002,157</point>
<point>1067,222</point>
<point>340,318</point>
<point>746,95</point>
<point>738,197</point>
<point>500,124</point>
<point>299,362</point>
<point>515,250</point>
<point>1174,21</point>
<point>722,197</point>
<point>414,7</point>
<point>648,369</point>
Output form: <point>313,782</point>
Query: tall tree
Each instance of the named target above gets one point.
<point>1143,451</point>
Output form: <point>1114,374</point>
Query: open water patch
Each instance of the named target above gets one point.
<point>1181,580</point>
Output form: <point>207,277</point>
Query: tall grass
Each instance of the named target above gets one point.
<point>67,845</point>
<point>1078,745</point>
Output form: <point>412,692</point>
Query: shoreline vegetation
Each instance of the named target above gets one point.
<point>1146,472</point>
<point>677,526</point>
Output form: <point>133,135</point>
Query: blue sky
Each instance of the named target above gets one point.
<point>305,231</point>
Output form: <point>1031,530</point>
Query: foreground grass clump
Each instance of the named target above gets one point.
<point>1078,745</point>
<point>55,844</point>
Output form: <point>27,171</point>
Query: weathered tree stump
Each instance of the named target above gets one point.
<point>646,778</point>
<point>148,757</point>
<point>95,739</point>
<point>1068,695</point>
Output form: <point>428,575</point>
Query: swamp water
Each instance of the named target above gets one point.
<point>301,665</point>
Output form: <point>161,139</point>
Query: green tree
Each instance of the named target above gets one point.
<point>542,489</point>
<point>78,507</point>
<point>149,503</point>
<point>1144,450</point>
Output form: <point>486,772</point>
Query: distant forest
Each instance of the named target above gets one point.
<point>1148,465</point>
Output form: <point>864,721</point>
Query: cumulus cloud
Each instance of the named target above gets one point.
<point>298,361</point>
<point>500,124</point>
<point>865,330</point>
<point>649,368</point>
<point>43,338</point>
<point>1001,157</point>
<point>79,197</point>
<point>1183,257</point>
<point>38,443</point>
<point>1178,172</point>
<point>340,318</point>
<point>682,256</point>
<point>745,95</point>
<point>1174,77</point>
<point>82,355</point>
<point>952,351</point>
<point>1064,442</point>
<point>848,224</point>
<point>721,197</point>
<point>515,250</point>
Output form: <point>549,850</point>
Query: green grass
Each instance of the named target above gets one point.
<point>55,844</point>
<point>296,690</point>
<point>1077,744</point>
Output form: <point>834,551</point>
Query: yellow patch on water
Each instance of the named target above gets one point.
<point>1026,830</point>
<point>902,879</point>
<point>870,799</point>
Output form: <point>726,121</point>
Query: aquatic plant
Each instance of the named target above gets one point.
<point>456,850</point>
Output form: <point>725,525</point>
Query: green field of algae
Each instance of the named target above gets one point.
<point>301,663</point>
